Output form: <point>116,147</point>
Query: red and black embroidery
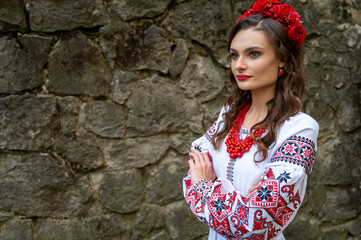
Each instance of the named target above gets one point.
<point>282,213</point>
<point>297,150</point>
<point>211,131</point>
<point>267,195</point>
<point>203,188</point>
<point>292,196</point>
<point>220,206</point>
<point>230,169</point>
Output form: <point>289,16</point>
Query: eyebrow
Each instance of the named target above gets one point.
<point>247,49</point>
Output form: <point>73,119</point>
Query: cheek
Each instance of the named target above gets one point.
<point>269,68</point>
<point>233,68</point>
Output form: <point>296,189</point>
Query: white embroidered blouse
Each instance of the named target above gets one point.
<point>223,204</point>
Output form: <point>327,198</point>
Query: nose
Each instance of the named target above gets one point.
<point>240,64</point>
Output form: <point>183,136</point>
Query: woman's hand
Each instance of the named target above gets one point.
<point>252,190</point>
<point>201,167</point>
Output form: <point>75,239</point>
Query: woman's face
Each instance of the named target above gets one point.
<point>254,63</point>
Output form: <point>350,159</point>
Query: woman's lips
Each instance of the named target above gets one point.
<point>242,77</point>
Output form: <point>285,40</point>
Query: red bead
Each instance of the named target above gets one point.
<point>280,73</point>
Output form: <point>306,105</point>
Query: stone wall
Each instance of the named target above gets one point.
<point>100,99</point>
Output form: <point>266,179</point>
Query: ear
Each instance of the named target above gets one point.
<point>282,64</point>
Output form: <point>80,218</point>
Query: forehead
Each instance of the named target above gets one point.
<point>250,38</point>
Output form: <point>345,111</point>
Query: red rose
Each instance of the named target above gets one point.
<point>297,33</point>
<point>261,5</point>
<point>283,10</point>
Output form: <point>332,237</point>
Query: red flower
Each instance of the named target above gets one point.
<point>263,5</point>
<point>297,33</point>
<point>284,14</point>
<point>284,11</point>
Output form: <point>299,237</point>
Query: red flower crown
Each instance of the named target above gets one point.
<point>284,14</point>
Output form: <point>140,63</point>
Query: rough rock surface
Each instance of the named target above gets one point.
<point>122,192</point>
<point>18,71</point>
<point>82,153</point>
<point>47,16</point>
<point>17,16</point>
<point>135,153</point>
<point>204,21</point>
<point>202,79</point>
<point>136,48</point>
<point>128,9</point>
<point>91,118</point>
<point>23,127</point>
<point>101,99</point>
<point>155,107</point>
<point>91,76</point>
<point>36,185</point>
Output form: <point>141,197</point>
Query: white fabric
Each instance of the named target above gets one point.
<point>298,132</point>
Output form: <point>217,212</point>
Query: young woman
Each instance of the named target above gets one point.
<point>248,173</point>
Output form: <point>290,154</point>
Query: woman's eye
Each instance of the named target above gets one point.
<point>254,54</point>
<point>234,55</point>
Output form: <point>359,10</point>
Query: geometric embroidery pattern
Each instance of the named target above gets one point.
<point>230,169</point>
<point>267,194</point>
<point>211,131</point>
<point>297,150</point>
<point>281,214</point>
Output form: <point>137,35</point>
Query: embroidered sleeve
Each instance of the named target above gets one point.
<point>265,214</point>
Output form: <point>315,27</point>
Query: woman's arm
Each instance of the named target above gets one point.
<point>272,206</point>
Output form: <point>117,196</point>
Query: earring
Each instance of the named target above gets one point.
<point>281,71</point>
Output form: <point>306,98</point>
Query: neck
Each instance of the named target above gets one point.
<point>258,110</point>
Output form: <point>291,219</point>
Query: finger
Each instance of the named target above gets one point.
<point>195,158</point>
<point>199,158</point>
<point>194,150</point>
<point>251,194</point>
<point>191,163</point>
<point>255,187</point>
<point>206,158</point>
<point>259,181</point>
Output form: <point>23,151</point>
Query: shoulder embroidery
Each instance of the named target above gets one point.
<point>297,150</point>
<point>211,131</point>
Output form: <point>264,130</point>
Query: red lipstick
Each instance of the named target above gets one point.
<point>242,77</point>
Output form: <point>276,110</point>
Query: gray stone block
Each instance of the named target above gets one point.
<point>202,79</point>
<point>155,107</point>
<point>181,224</point>
<point>82,154</point>
<point>148,217</point>
<point>105,119</point>
<point>68,112</point>
<point>129,9</point>
<point>18,71</point>
<point>17,229</point>
<point>37,47</point>
<point>35,185</point>
<point>162,179</point>
<point>50,16</point>
<point>77,67</point>
<point>123,85</point>
<point>134,153</point>
<point>12,12</point>
<point>121,191</point>
<point>71,229</point>
<point>28,122</point>
<point>135,48</point>
<point>179,58</point>
<point>204,21</point>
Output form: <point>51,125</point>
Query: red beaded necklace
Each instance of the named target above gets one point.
<point>235,146</point>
